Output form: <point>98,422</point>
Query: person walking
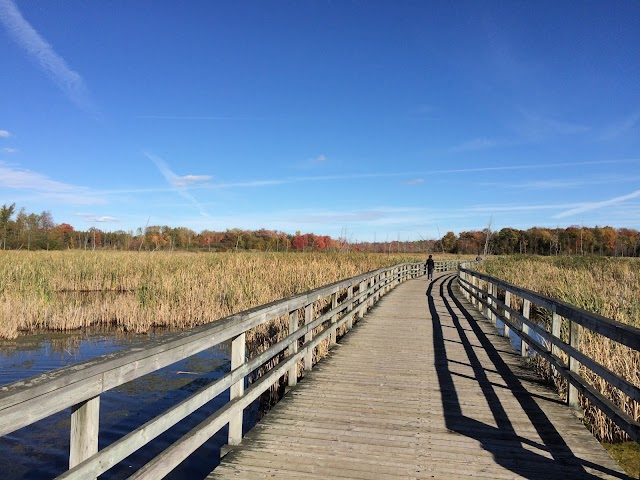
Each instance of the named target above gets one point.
<point>430,264</point>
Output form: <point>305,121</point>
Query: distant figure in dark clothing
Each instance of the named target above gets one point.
<point>478,258</point>
<point>430,264</point>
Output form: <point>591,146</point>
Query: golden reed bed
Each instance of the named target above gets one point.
<point>138,291</point>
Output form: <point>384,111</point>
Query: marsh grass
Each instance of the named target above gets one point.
<point>139,291</point>
<point>605,286</point>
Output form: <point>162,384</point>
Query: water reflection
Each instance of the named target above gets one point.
<point>41,450</point>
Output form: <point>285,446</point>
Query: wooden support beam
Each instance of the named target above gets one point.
<point>308,337</point>
<point>350,308</point>
<point>238,357</point>
<point>526,311</point>
<point>333,336</point>
<point>491,290</point>
<point>85,423</point>
<point>574,365</point>
<point>293,348</point>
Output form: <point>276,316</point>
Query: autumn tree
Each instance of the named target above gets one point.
<point>6,212</point>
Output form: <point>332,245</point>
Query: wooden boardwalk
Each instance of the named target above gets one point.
<point>423,387</point>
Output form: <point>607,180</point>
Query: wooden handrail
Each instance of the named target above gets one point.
<point>80,386</point>
<point>471,284</point>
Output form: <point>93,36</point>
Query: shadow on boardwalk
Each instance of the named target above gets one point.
<point>506,446</point>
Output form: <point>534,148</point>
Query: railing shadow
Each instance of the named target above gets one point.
<point>503,442</point>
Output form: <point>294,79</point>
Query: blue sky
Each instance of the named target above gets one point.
<point>371,119</point>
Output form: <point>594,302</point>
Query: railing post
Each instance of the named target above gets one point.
<point>362,306</point>
<point>474,282</point>
<point>85,422</point>
<point>349,308</point>
<point>556,326</point>
<point>485,291</point>
<point>333,335</point>
<point>293,348</point>
<point>238,358</point>
<point>574,365</point>
<point>308,337</point>
<point>466,278</point>
<point>526,310</point>
<point>491,289</point>
<point>507,315</point>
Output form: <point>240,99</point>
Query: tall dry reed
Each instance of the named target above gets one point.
<point>607,286</point>
<point>139,291</point>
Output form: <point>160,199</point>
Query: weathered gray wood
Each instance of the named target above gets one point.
<point>492,292</point>
<point>333,335</point>
<point>556,326</point>
<point>619,332</point>
<point>526,311</point>
<point>181,449</point>
<point>628,388</point>
<point>624,421</point>
<point>85,422</point>
<point>507,315</point>
<point>293,348</point>
<point>131,442</point>
<point>404,398</point>
<point>574,365</point>
<point>308,338</point>
<point>238,358</point>
<point>350,308</point>
<point>27,401</point>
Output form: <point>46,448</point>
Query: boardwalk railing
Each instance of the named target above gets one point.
<point>560,346</point>
<point>313,316</point>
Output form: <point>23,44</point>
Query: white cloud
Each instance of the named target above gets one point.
<point>191,179</point>
<point>18,178</point>
<point>21,179</point>
<point>4,134</point>
<point>9,150</point>
<point>179,183</point>
<point>90,217</point>
<point>69,81</point>
<point>588,206</point>
<point>417,181</point>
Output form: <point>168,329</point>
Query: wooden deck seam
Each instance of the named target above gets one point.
<point>459,414</point>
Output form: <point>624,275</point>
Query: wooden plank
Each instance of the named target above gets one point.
<point>419,390</point>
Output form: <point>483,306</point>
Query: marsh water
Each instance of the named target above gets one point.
<point>41,450</point>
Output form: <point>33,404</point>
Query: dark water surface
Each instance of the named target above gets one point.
<point>41,450</point>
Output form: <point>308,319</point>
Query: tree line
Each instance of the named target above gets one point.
<point>572,240</point>
<point>20,230</point>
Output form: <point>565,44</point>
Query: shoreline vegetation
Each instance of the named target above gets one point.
<point>131,291</point>
<point>607,286</point>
